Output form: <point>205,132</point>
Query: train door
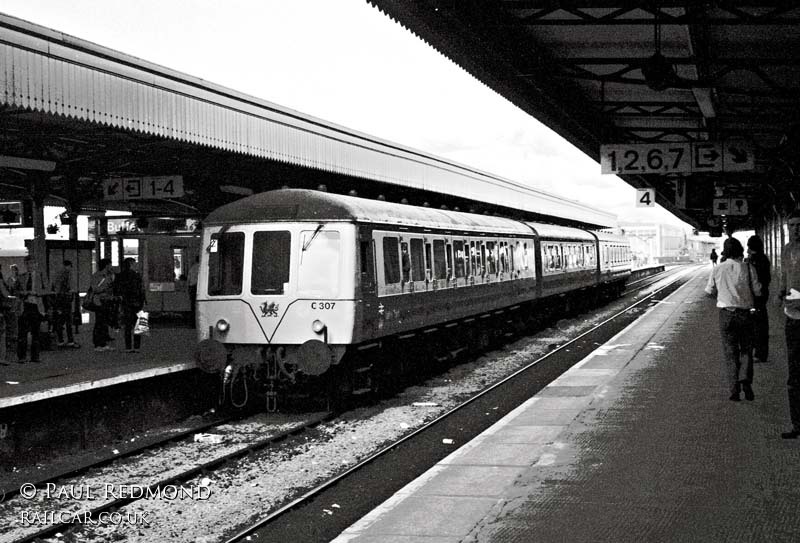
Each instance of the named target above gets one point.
<point>366,263</point>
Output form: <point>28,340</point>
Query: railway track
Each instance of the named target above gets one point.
<point>173,481</point>
<point>262,530</point>
<point>216,463</point>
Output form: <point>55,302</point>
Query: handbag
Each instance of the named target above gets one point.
<point>142,327</point>
<point>88,303</point>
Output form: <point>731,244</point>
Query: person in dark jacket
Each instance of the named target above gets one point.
<point>62,287</point>
<point>102,295</point>
<point>129,290</point>
<point>31,289</point>
<point>713,257</point>
<point>756,256</point>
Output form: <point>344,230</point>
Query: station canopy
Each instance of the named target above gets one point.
<point>94,129</point>
<point>697,100</point>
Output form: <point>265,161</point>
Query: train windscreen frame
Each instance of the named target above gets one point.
<point>226,264</point>
<point>269,271</point>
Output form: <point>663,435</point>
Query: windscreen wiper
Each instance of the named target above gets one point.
<point>313,236</point>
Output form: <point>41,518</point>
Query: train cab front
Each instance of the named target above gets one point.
<point>275,300</point>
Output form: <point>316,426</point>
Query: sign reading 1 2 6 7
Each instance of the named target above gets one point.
<point>677,157</point>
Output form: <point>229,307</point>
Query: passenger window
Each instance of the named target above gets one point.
<point>491,257</point>
<point>270,269</point>
<point>226,264</point>
<point>417,260</point>
<point>405,261</point>
<point>449,255</point>
<point>428,262</point>
<point>320,250</point>
<point>439,260</point>
<point>461,266</point>
<point>391,261</point>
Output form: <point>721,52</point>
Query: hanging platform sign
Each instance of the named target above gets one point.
<point>143,188</point>
<point>666,158</point>
<point>730,206</point>
<point>645,197</point>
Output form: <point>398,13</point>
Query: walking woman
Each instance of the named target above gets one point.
<point>735,284</point>
<point>756,257</point>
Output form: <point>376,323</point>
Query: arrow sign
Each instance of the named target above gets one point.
<point>739,156</point>
<point>706,157</point>
<point>111,190</point>
<point>133,188</point>
<point>676,157</point>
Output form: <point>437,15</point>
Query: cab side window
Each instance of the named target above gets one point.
<point>391,260</point>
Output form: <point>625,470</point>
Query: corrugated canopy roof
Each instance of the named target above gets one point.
<point>632,72</point>
<point>58,77</point>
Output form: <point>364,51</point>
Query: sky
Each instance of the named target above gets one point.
<point>345,62</point>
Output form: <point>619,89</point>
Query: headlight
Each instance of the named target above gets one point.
<point>222,326</point>
<point>318,326</point>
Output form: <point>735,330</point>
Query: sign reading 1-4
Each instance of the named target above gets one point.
<point>140,188</point>
<point>678,157</point>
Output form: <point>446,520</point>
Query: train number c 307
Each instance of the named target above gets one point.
<point>322,305</point>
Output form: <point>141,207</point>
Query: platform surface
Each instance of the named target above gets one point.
<point>167,349</point>
<point>637,442</point>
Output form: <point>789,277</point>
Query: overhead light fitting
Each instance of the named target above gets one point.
<point>658,72</point>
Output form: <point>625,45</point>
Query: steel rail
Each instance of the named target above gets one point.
<point>140,448</point>
<point>52,530</point>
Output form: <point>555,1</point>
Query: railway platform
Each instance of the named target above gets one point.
<point>168,349</point>
<point>637,442</point>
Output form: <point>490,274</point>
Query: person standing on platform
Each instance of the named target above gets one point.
<point>102,286</point>
<point>735,284</point>
<point>6,314</point>
<point>713,257</point>
<point>63,306</point>
<point>31,289</point>
<point>756,257</point>
<point>12,314</point>
<point>194,271</point>
<point>129,290</point>
<point>790,294</point>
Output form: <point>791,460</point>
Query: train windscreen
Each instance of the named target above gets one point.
<point>319,263</point>
<point>226,264</point>
<point>270,271</point>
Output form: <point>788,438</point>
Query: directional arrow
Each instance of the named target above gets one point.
<point>112,189</point>
<point>739,156</point>
<point>711,155</point>
<point>133,188</point>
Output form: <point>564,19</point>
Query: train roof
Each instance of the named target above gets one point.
<point>607,236</point>
<point>302,205</point>
<point>552,231</point>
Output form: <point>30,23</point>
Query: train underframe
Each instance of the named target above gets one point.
<point>298,377</point>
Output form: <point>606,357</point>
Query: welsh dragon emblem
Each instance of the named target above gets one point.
<point>269,309</point>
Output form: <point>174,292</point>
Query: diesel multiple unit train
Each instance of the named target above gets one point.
<point>301,285</point>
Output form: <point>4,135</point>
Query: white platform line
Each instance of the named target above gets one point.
<point>93,384</point>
